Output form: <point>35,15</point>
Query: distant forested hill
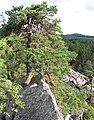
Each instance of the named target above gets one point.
<point>84,46</point>
<point>76,35</point>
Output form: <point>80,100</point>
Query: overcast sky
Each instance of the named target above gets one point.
<point>77,16</point>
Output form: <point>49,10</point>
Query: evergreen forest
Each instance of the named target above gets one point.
<point>84,47</point>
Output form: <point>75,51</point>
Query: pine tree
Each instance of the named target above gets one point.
<point>30,42</point>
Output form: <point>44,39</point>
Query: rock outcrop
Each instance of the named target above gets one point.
<point>40,104</point>
<point>77,80</point>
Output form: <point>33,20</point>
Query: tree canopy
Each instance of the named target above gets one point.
<point>84,62</point>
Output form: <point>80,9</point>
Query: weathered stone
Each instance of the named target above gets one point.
<point>77,80</point>
<point>40,104</point>
<point>78,116</point>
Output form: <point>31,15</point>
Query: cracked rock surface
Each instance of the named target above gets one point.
<point>40,105</point>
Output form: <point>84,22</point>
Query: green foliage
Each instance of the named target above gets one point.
<point>68,99</point>
<point>13,55</point>
<point>7,89</point>
<point>84,49</point>
<point>88,69</point>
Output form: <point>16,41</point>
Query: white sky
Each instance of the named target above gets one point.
<point>77,16</point>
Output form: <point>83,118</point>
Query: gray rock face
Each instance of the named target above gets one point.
<point>40,104</point>
<point>77,80</point>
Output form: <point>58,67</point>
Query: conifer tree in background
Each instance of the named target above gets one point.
<point>88,69</point>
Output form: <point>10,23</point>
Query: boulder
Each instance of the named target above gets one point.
<point>40,104</point>
<point>77,80</point>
